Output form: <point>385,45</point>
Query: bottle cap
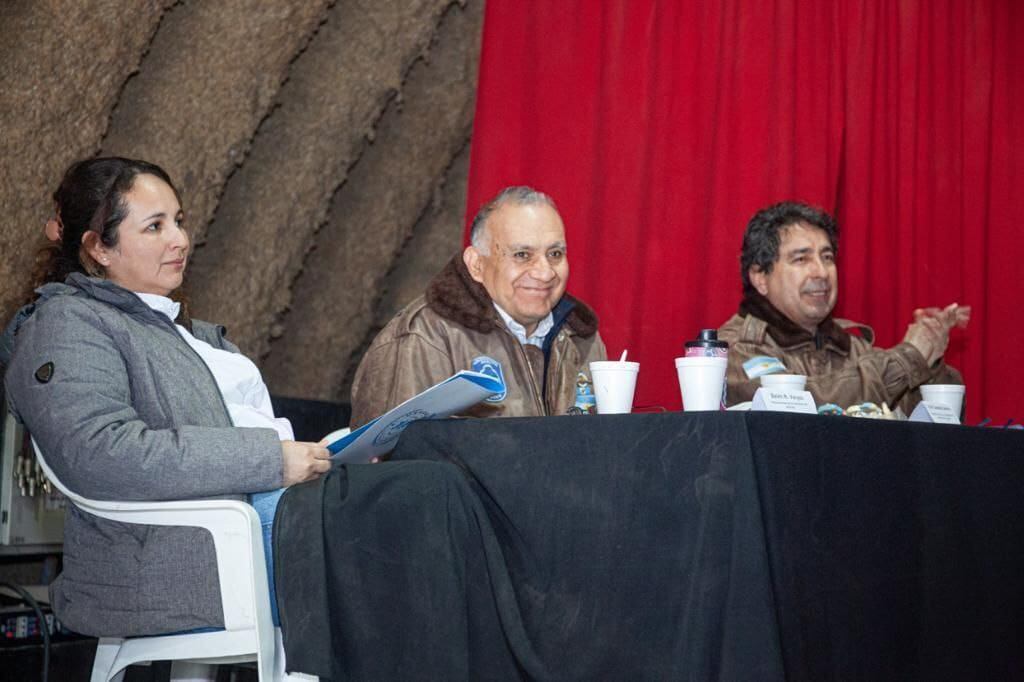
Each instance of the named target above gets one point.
<point>708,338</point>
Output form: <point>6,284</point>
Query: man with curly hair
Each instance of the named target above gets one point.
<point>785,324</point>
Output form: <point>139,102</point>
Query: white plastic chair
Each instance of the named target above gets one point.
<point>248,634</point>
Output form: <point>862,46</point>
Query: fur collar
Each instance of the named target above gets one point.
<point>788,333</point>
<point>455,295</point>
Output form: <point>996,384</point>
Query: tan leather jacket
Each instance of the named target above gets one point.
<point>841,367</point>
<point>455,324</point>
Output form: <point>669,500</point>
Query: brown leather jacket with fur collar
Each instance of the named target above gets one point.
<point>454,326</point>
<point>841,367</point>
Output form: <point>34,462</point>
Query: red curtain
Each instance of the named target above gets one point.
<point>660,127</point>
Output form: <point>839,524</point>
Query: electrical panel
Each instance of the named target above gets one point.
<point>31,508</point>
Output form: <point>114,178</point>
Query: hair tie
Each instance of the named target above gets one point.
<point>53,230</point>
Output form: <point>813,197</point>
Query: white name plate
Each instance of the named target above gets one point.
<point>775,400</point>
<point>934,413</point>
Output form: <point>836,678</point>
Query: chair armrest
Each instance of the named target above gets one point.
<point>237,540</point>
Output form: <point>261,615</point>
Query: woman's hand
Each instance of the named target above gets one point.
<point>303,461</point>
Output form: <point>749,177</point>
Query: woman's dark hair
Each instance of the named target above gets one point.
<point>91,197</point>
<point>761,239</point>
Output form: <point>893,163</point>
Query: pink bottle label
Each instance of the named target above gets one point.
<point>706,352</point>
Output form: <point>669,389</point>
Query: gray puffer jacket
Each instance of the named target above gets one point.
<point>125,410</point>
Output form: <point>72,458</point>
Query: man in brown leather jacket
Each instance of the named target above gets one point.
<point>500,308</point>
<point>785,323</point>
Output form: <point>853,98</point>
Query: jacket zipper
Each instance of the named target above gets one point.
<point>209,373</point>
<point>558,344</point>
<point>538,397</point>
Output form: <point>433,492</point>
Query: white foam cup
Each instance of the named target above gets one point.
<point>946,394</point>
<point>784,382</point>
<point>614,385</point>
<point>701,382</point>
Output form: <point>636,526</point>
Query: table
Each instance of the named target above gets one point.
<point>728,546</point>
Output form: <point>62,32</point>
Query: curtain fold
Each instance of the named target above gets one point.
<point>660,127</point>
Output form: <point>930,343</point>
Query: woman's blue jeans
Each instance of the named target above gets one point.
<point>265,505</point>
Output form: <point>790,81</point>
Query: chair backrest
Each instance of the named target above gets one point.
<point>66,491</point>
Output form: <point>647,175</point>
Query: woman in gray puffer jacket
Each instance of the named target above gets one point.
<point>131,400</point>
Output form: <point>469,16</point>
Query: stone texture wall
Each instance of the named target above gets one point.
<point>320,147</point>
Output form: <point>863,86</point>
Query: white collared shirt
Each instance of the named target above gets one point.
<point>519,331</point>
<point>237,377</point>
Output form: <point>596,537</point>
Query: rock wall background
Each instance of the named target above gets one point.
<point>321,149</point>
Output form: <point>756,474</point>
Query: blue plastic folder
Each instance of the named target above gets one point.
<point>453,395</point>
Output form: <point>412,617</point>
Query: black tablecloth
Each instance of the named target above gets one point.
<point>896,550</point>
<point>714,546</point>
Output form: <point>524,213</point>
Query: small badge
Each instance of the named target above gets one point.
<point>45,373</point>
<point>586,402</point>
<point>491,368</point>
<point>761,365</point>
